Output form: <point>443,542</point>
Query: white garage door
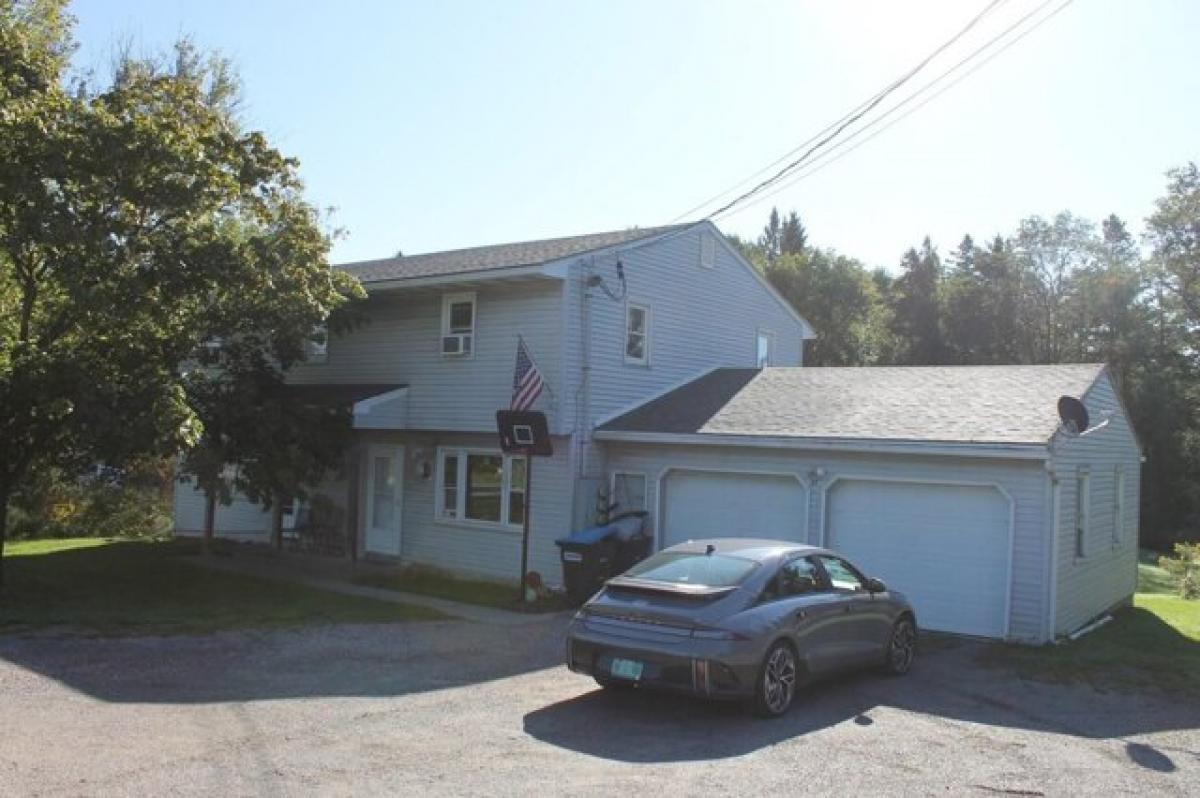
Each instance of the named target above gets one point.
<point>701,504</point>
<point>944,546</point>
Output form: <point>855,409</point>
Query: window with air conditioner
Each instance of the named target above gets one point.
<point>458,325</point>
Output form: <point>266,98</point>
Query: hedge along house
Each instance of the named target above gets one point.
<point>957,485</point>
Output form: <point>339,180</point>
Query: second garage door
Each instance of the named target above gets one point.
<point>944,546</point>
<point>704,504</point>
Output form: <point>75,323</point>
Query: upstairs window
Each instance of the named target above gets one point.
<point>637,334</point>
<point>763,352</point>
<point>1082,500</point>
<point>458,325</point>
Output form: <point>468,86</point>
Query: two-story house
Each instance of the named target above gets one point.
<point>674,385</point>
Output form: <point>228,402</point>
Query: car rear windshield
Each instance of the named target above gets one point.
<point>689,568</point>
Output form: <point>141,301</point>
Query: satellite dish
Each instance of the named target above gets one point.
<point>1073,414</point>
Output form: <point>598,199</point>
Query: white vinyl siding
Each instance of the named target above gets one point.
<point>399,343</point>
<point>1107,576</point>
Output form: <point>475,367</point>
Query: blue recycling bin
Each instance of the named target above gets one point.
<point>587,560</point>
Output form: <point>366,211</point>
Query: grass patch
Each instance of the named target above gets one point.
<point>115,586</point>
<point>440,584</point>
<point>1152,578</point>
<point>1153,644</point>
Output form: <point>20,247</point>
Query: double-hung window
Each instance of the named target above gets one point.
<point>637,334</point>
<point>458,324</point>
<point>480,486</point>
<point>1082,511</point>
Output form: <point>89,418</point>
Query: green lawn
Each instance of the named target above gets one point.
<point>112,586</point>
<point>433,582</point>
<point>1156,642</point>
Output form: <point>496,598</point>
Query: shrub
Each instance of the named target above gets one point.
<point>103,503</point>
<point>1184,565</point>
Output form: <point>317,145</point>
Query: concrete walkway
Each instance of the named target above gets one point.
<point>334,575</point>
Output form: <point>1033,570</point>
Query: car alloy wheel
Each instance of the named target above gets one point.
<point>902,649</point>
<point>777,687</point>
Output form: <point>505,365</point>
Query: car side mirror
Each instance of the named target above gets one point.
<point>876,585</point>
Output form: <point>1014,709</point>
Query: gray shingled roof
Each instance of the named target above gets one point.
<point>959,404</point>
<point>498,256</point>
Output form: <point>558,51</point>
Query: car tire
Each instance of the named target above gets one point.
<point>777,680</point>
<point>901,648</point>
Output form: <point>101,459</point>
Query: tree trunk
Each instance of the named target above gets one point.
<point>210,518</point>
<point>277,523</point>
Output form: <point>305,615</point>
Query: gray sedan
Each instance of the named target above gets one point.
<point>740,618</point>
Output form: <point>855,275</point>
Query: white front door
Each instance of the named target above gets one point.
<point>385,499</point>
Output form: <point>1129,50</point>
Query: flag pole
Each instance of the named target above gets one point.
<point>525,524</point>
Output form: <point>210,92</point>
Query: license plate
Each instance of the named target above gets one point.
<point>626,669</point>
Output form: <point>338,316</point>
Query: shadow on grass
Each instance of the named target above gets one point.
<point>1153,645</point>
<point>126,622</point>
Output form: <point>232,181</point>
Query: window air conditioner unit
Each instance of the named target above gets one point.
<point>456,344</point>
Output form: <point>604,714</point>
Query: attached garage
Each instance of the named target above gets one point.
<point>724,504</point>
<point>947,547</point>
<point>959,486</point>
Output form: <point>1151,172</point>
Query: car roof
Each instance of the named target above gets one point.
<point>759,549</point>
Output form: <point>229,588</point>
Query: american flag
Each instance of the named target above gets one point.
<point>527,380</point>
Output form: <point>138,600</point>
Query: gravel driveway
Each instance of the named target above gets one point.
<point>459,707</point>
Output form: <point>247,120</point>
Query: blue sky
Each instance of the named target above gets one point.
<point>441,125</point>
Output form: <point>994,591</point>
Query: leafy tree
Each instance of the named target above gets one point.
<point>137,220</point>
<point>772,234</point>
<point>793,238</point>
<point>1174,233</point>
<point>837,296</point>
<point>916,308</point>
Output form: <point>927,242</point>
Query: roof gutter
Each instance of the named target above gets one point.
<point>483,275</point>
<point>1007,451</point>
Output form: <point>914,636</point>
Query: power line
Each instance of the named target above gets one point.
<point>829,157</point>
<point>987,10</point>
<point>858,114</point>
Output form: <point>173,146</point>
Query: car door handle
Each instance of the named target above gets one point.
<point>800,615</point>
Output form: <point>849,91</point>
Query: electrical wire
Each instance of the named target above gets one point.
<point>780,174</point>
<point>861,106</point>
<point>825,160</point>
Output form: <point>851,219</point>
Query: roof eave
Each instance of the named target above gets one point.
<point>993,450</point>
<point>538,271</point>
